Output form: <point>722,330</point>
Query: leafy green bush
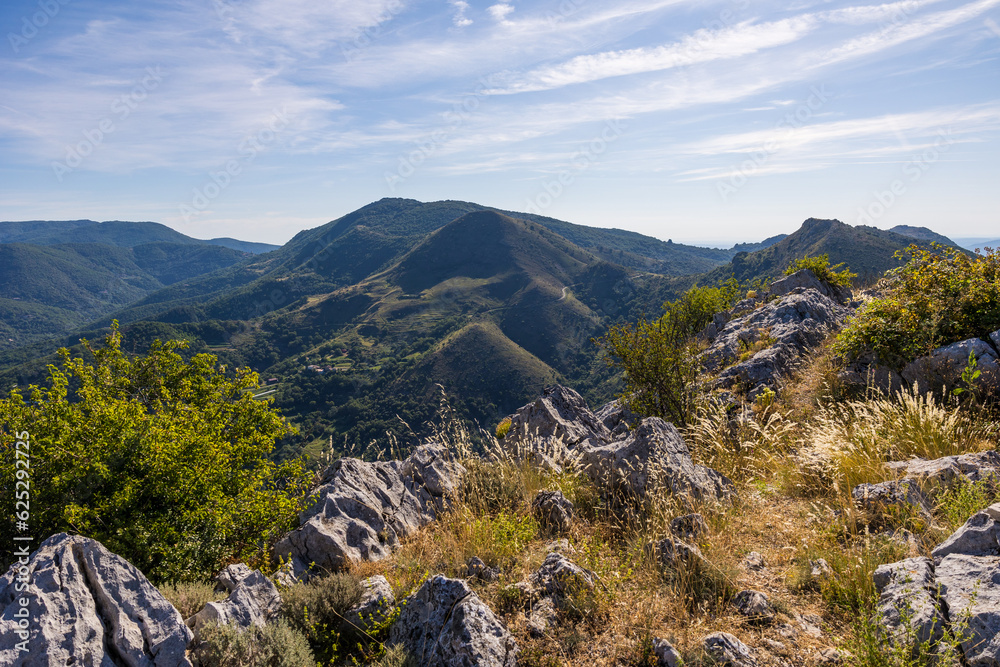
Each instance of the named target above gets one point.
<point>961,501</point>
<point>500,539</point>
<point>317,608</point>
<point>820,265</point>
<point>503,428</point>
<point>938,297</point>
<point>164,461</point>
<point>277,644</point>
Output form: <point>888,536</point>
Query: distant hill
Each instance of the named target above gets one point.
<point>922,234</point>
<point>978,242</point>
<point>244,246</point>
<point>867,251</point>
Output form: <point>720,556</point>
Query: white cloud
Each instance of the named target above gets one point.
<point>500,11</point>
<point>460,19</point>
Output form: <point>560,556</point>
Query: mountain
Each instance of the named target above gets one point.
<point>978,242</point>
<point>922,234</point>
<point>867,251</point>
<point>243,246</point>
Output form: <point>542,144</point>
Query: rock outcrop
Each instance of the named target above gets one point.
<point>728,651</point>
<point>553,511</point>
<point>932,475</point>
<point>86,606</point>
<point>908,608</point>
<point>253,601</point>
<point>755,606</point>
<point>942,368</point>
<point>365,508</point>
<point>445,624</point>
<point>376,604</point>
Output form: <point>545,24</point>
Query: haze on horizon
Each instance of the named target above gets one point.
<point>696,121</point>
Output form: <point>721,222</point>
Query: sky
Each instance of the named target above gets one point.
<point>692,120</point>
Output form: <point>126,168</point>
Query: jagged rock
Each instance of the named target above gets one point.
<point>231,577</point>
<point>86,606</point>
<point>561,545</point>
<point>673,553</point>
<point>755,606</point>
<point>943,367</point>
<point>377,602</point>
<point>654,457</point>
<point>555,425</point>
<point>728,651</point>
<point>885,497</point>
<point>553,511</point>
<point>827,657</point>
<point>666,654</point>
<point>617,418</point>
<point>754,561</point>
<point>480,570</point>
<point>798,321</point>
<point>970,589</point>
<point>980,536</point>
<point>543,615</point>
<point>810,624</point>
<point>689,527</point>
<point>940,473</point>
<point>806,279</point>
<point>363,509</point>
<point>907,605</point>
<point>445,624</point>
<point>820,569</point>
<point>254,601</point>
<point>559,576</point>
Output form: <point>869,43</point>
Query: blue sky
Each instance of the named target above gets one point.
<point>698,121</point>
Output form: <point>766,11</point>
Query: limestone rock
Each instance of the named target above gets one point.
<point>666,654</point>
<point>907,605</point>
<point>980,536</point>
<point>445,624</point>
<point>543,616</point>
<point>363,509</point>
<point>728,651</point>
<point>617,418</point>
<point>944,472</point>
<point>754,561</point>
<point>674,553</point>
<point>943,367</point>
<point>755,606</point>
<point>559,576</point>
<point>654,457</point>
<point>377,602</point>
<point>884,497</point>
<point>254,601</point>
<point>970,587</point>
<point>87,606</point>
<point>231,577</point>
<point>806,279</point>
<point>553,511</point>
<point>476,568</point>
<point>557,425</point>
<point>689,527</point>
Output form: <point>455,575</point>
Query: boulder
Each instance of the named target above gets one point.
<point>86,606</point>
<point>673,553</point>
<point>944,472</point>
<point>476,568</point>
<point>979,536</point>
<point>231,577</point>
<point>755,606</point>
<point>666,654</point>
<point>908,608</point>
<point>543,616</point>
<point>558,576</point>
<point>654,457</point>
<point>754,561</point>
<point>377,602</point>
<point>943,367</point>
<point>253,602</point>
<point>363,509</point>
<point>445,624</point>
<point>553,511</point>
<point>728,651</point>
<point>617,418</point>
<point>689,527</point>
<point>970,589</point>
<point>556,425</point>
<point>806,279</point>
<point>891,497</point>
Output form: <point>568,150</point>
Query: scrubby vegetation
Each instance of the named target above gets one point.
<point>821,267</point>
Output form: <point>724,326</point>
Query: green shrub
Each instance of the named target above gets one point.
<point>938,297</point>
<point>277,644</point>
<point>503,428</point>
<point>820,265</point>
<point>189,598</point>
<point>961,501</point>
<point>501,539</point>
<point>317,608</point>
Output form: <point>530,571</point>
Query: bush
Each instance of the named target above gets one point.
<point>938,297</point>
<point>163,460</point>
<point>189,598</point>
<point>821,267</point>
<point>276,644</point>
<point>317,608</point>
<point>961,501</point>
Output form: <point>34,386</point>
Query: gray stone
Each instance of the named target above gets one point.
<point>755,606</point>
<point>820,569</point>
<point>543,616</point>
<point>363,509</point>
<point>445,624</point>
<point>654,457</point>
<point>673,553</point>
<point>553,511</point>
<point>476,568</point>
<point>555,425</point>
<point>558,576</point>
<point>979,536</point>
<point>89,607</point>
<point>376,604</point>
<point>728,651</point>
<point>666,654</point>
<point>231,577</point>
<point>892,496</point>
<point>943,367</point>
<point>946,471</point>
<point>617,419</point>
<point>908,607</point>
<point>252,603</point>
<point>754,561</point>
<point>806,279</point>
<point>970,587</point>
<point>827,658</point>
<point>689,527</point>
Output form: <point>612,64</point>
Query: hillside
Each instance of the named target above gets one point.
<point>922,234</point>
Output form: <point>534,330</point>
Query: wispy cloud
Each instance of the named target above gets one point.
<point>459,18</point>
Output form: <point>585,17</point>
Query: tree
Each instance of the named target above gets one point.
<point>164,461</point>
<point>659,357</point>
